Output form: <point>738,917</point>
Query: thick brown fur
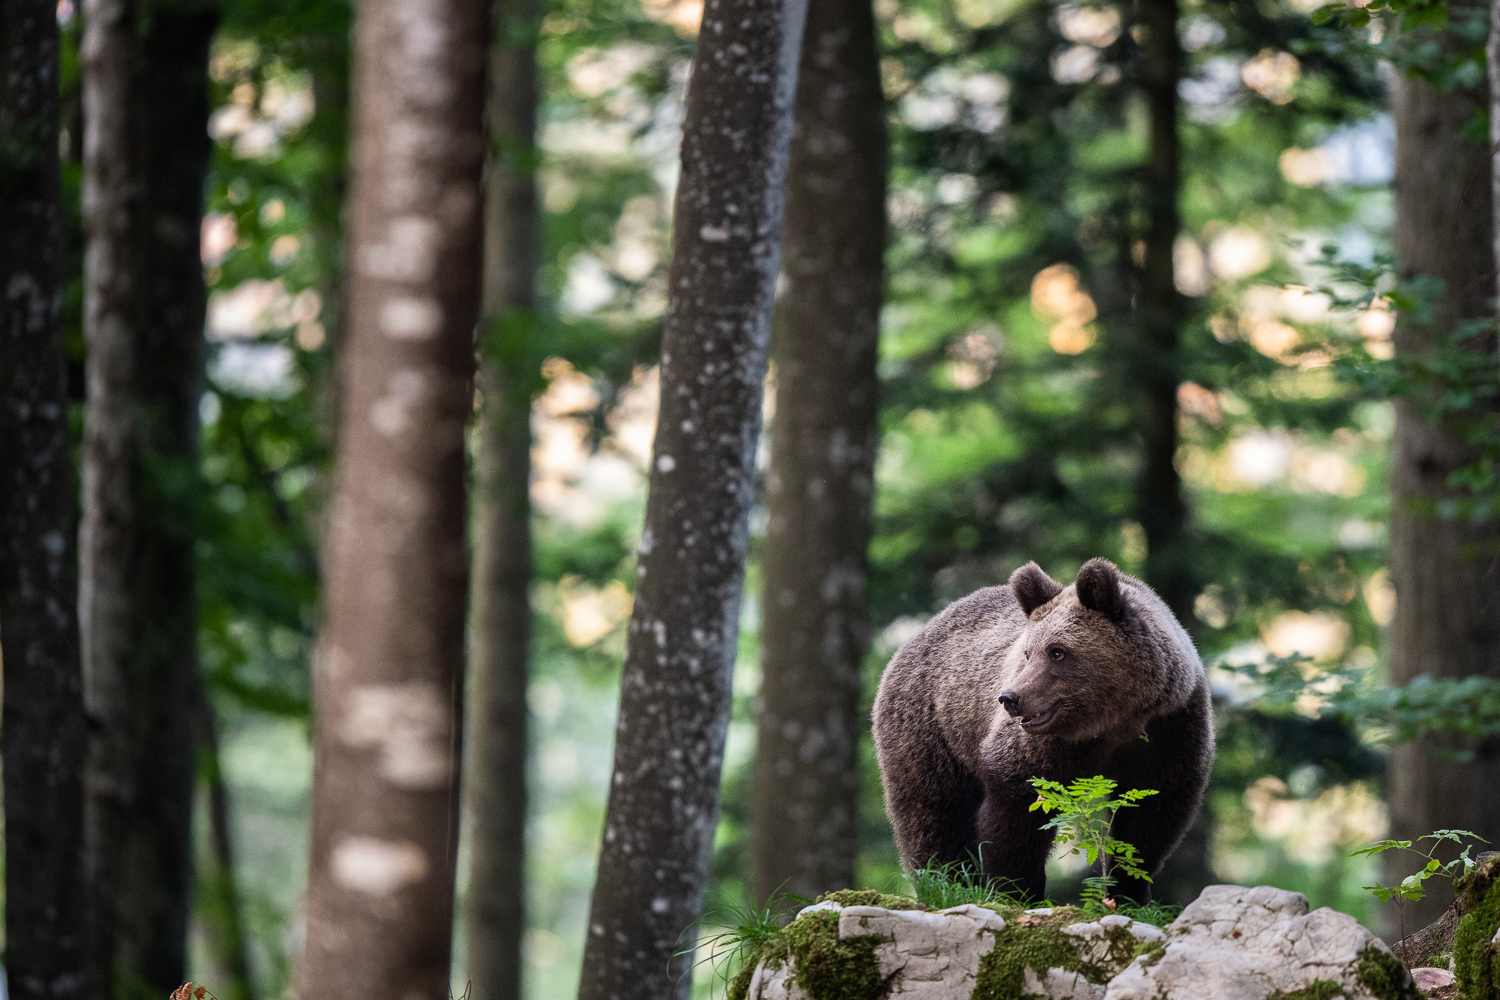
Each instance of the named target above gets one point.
<point>1107,681</point>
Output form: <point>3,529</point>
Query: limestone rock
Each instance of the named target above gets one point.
<point>1234,943</point>
<point>923,955</point>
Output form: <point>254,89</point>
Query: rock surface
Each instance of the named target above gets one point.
<point>1232,943</point>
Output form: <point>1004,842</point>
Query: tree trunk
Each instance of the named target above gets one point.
<point>675,691</point>
<point>500,628</point>
<point>108,537</point>
<point>227,926</point>
<point>389,663</point>
<point>824,440</point>
<point>43,737</point>
<point>1447,621</point>
<point>171,149</point>
<point>1160,507</point>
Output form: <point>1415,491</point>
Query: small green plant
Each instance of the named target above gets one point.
<point>1085,811</point>
<point>1412,886</point>
<point>746,931</point>
<point>938,887</point>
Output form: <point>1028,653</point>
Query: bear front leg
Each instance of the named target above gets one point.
<point>1012,843</point>
<point>1175,761</point>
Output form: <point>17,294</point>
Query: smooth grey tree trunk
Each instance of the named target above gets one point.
<point>825,341</point>
<point>1446,570</point>
<point>43,737</point>
<point>500,610</point>
<point>389,664</point>
<point>675,693</point>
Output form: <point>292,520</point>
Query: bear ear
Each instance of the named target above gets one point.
<point>1099,588</point>
<point>1033,588</point>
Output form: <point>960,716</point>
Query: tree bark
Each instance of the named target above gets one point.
<point>824,440</point>
<point>675,691</point>
<point>500,626</point>
<point>43,738</point>
<point>231,944</point>
<point>1160,507</point>
<point>108,537</point>
<point>1447,621</point>
<point>171,149</point>
<point>389,663</point>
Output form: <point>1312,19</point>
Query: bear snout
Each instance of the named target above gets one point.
<point>1011,702</point>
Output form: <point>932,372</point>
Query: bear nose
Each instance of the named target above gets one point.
<point>1010,700</point>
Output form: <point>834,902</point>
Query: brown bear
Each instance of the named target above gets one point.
<point>1035,679</point>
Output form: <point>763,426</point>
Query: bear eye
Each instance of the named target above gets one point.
<point>1057,653</point>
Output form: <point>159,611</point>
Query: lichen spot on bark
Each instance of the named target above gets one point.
<point>391,414</point>
<point>408,726</point>
<point>378,867</point>
<point>408,318</point>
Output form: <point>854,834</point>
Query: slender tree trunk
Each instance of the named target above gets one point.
<point>1160,506</point>
<point>43,737</point>
<point>1446,570</point>
<point>171,148</point>
<point>231,944</point>
<point>675,691</point>
<point>390,657</point>
<point>824,439</point>
<point>1492,61</point>
<point>108,538</point>
<point>500,627</point>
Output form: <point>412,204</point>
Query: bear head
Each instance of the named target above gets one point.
<point>1094,658</point>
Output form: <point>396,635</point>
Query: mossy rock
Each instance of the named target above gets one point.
<point>1476,960</point>
<point>824,966</point>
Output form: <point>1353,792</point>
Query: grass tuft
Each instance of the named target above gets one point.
<point>938,887</point>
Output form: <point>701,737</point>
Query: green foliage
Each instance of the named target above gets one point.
<point>1411,886</point>
<point>938,887</point>
<point>1085,810</point>
<point>1436,40</point>
<point>750,932</point>
<point>1476,960</point>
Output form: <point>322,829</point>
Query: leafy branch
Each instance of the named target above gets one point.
<point>1411,887</point>
<point>1085,811</point>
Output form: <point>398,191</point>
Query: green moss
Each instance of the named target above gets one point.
<point>1323,989</point>
<point>830,969</point>
<point>1475,960</point>
<point>773,952</point>
<point>869,897</point>
<point>1039,944</point>
<point>1382,973</point>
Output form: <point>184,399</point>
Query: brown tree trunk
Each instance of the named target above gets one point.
<point>824,440</point>
<point>108,537</point>
<point>43,737</point>
<point>389,662</point>
<point>171,149</point>
<point>500,625</point>
<point>675,688</point>
<point>1447,621</point>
